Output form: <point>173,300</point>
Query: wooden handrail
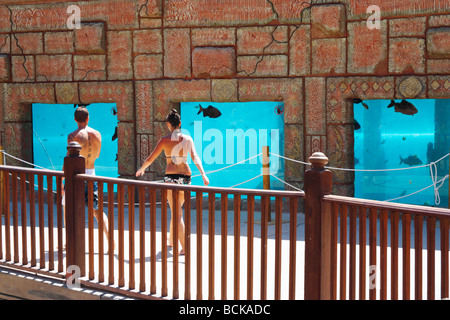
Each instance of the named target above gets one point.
<point>31,170</point>
<point>405,208</point>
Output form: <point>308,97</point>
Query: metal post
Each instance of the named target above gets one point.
<point>318,182</point>
<point>75,208</point>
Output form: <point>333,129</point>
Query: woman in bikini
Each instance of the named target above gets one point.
<point>176,147</point>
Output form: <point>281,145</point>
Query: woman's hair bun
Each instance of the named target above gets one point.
<point>174,118</point>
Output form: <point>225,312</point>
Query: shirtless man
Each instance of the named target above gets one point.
<point>91,143</point>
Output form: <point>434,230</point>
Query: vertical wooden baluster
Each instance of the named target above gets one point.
<point>278,233</point>
<point>2,208</point>
<point>224,214</point>
<point>383,254</point>
<point>51,256</point>
<point>264,216</point>
<point>7,217</point>
<point>142,239</point>
<point>111,232</point>
<point>131,248</point>
<point>121,230</point>
<point>100,224</point>
<point>187,245</point>
<point>250,232</point>
<point>90,187</point>
<point>23,204</point>
<point>406,245</point>
<point>334,246</point>
<point>164,289</point>
<point>431,251</point>
<point>418,236</point>
<point>199,205</point>
<point>373,252</point>
<point>175,225</point>
<point>362,252</point>
<point>211,232</point>
<point>343,255</point>
<point>352,238</point>
<point>394,254</point>
<point>292,245</point>
<point>444,225</point>
<point>33,222</point>
<point>152,240</point>
<point>237,245</point>
<point>15,217</point>
<point>41,221</point>
<point>59,220</point>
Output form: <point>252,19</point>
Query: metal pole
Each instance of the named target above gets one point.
<point>266,174</point>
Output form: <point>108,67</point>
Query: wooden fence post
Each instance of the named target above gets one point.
<point>318,182</point>
<point>75,208</point>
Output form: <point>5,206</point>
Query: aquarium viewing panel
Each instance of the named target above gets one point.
<point>225,134</point>
<point>52,123</point>
<point>405,135</point>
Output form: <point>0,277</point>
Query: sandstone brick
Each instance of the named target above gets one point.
<point>90,38</point>
<point>27,43</point>
<point>5,67</point>
<point>54,67</point>
<point>177,53</point>
<point>299,53</point>
<point>224,90</point>
<point>367,48</point>
<point>5,23</point>
<point>209,62</point>
<point>89,67</point>
<point>397,8</point>
<point>315,100</point>
<point>119,92</point>
<point>150,8</point>
<point>147,41</point>
<point>439,21</point>
<point>17,142</point>
<point>119,55</point>
<point>150,23</point>
<point>126,146</point>
<point>328,56</point>
<point>257,40</point>
<point>405,27</point>
<point>148,66</point>
<point>294,150</point>
<point>438,66</point>
<point>438,42</point>
<point>59,42</point>
<point>144,107</point>
<point>66,92</point>
<point>407,55</point>
<point>213,37</point>
<point>23,68</point>
<point>328,21</point>
<point>5,43</point>
<point>262,66</point>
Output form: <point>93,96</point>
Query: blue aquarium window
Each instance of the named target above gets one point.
<point>405,135</point>
<point>226,134</point>
<point>52,123</point>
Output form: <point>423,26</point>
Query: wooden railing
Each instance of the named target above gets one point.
<point>353,248</point>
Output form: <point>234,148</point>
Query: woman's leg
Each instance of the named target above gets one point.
<point>181,229</point>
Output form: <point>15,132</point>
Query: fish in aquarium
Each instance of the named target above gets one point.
<point>358,101</point>
<point>210,112</point>
<point>404,107</point>
<point>114,137</point>
<point>356,125</point>
<point>411,160</point>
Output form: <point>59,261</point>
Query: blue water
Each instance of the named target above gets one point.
<point>386,137</point>
<point>239,133</point>
<point>53,122</point>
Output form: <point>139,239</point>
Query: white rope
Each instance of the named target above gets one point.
<point>232,165</point>
<point>290,185</point>
<point>293,160</point>
<point>18,159</point>
<point>246,181</point>
<point>436,188</point>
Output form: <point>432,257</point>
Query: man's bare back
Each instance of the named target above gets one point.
<point>91,143</point>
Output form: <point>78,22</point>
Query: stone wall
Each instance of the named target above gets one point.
<point>149,55</point>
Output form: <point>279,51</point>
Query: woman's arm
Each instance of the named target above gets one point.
<point>197,161</point>
<point>155,153</point>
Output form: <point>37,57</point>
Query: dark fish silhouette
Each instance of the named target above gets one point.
<point>116,156</point>
<point>430,152</point>
<point>114,137</point>
<point>411,160</point>
<point>358,101</point>
<point>80,105</point>
<point>403,106</point>
<point>209,112</point>
<point>114,111</point>
<point>356,125</point>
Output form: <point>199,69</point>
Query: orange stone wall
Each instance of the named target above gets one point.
<point>149,55</point>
